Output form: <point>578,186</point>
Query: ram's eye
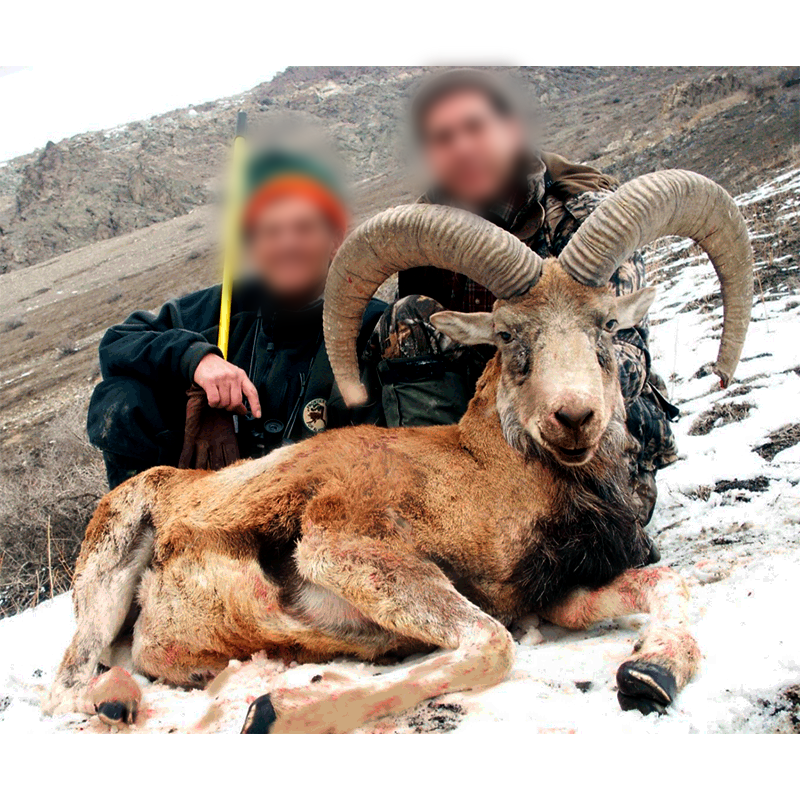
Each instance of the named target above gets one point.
<point>611,325</point>
<point>504,336</point>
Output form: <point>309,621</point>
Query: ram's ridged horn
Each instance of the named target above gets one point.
<point>406,237</point>
<point>672,203</point>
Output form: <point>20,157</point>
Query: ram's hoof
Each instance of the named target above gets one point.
<point>260,716</point>
<point>116,713</point>
<point>116,696</point>
<point>645,687</point>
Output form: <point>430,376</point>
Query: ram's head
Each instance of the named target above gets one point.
<point>554,323</point>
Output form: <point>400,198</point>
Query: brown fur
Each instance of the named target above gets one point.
<point>373,543</point>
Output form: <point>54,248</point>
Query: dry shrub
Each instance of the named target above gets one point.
<point>55,486</point>
<point>66,348</point>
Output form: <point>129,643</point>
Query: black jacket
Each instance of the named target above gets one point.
<point>283,354</point>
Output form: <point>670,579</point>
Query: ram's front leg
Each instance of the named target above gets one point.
<point>666,656</point>
<point>408,597</point>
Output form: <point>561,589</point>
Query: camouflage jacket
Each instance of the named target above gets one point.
<point>544,216</point>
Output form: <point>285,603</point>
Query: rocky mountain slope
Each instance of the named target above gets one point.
<point>729,123</point>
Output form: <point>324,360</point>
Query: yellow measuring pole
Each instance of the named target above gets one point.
<point>232,233</point>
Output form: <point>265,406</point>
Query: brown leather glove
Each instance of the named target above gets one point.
<point>209,440</point>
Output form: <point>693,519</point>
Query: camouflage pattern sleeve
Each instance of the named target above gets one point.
<point>630,344</point>
<point>634,362</point>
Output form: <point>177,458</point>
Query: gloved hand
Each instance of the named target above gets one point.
<point>209,440</point>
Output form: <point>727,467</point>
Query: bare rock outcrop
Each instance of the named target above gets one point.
<point>695,94</point>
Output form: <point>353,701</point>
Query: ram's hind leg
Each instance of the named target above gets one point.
<point>666,656</point>
<point>412,599</point>
<point>117,549</point>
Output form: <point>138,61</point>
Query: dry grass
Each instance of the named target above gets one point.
<point>781,439</point>
<point>47,495</point>
<point>719,414</point>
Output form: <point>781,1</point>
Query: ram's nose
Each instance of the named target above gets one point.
<point>573,417</point>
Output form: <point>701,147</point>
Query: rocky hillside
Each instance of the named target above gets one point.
<point>728,123</point>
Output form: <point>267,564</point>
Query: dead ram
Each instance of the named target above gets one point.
<point>377,543</point>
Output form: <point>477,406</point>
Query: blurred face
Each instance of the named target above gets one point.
<point>290,245</point>
<point>471,151</point>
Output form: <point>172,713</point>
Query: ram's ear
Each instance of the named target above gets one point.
<point>631,308</point>
<point>465,328</point>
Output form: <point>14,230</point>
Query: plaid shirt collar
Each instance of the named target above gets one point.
<point>522,214</point>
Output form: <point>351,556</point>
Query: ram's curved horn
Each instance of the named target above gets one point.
<point>672,203</point>
<point>414,236</point>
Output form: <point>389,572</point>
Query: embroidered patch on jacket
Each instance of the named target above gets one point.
<point>315,415</point>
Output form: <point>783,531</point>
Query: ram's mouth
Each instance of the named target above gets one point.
<point>573,457</point>
<point>568,456</point>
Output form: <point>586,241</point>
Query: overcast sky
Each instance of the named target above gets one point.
<point>53,102</point>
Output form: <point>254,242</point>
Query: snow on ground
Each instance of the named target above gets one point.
<point>728,518</point>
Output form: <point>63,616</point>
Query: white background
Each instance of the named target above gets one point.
<point>147,33</point>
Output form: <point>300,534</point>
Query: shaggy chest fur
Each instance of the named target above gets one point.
<point>589,541</point>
